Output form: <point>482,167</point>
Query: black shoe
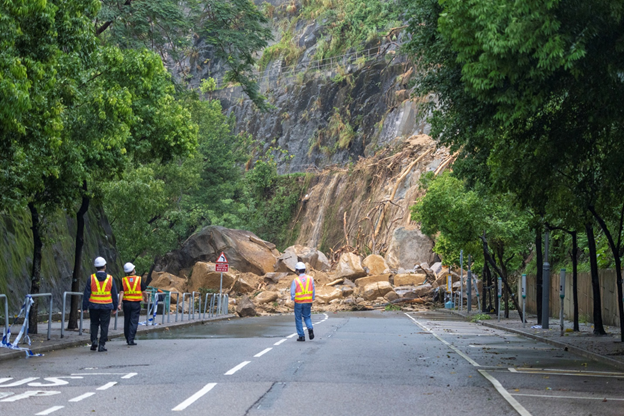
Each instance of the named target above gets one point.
<point>311,334</point>
<point>94,346</point>
<point>101,348</point>
<point>301,339</point>
<point>132,343</point>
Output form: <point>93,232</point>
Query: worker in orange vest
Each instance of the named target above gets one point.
<point>100,297</point>
<point>131,295</point>
<point>302,291</point>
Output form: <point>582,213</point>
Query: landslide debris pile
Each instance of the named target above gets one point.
<point>260,276</point>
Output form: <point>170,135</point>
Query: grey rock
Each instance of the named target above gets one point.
<point>408,247</point>
<point>245,307</point>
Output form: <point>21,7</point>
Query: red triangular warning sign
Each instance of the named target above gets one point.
<point>222,259</point>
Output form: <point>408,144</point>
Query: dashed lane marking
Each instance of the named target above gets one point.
<point>293,335</point>
<point>81,397</point>
<point>107,386</point>
<point>238,367</point>
<point>578,373</point>
<point>30,393</point>
<point>129,375</point>
<point>186,403</point>
<point>261,353</point>
<point>280,341</point>
<point>50,410</point>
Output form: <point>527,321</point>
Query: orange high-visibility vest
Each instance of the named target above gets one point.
<point>101,291</point>
<point>303,290</point>
<point>132,288</point>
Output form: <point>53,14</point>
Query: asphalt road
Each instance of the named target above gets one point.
<point>369,363</point>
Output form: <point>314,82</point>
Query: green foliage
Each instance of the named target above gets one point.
<point>286,49</point>
<point>234,29</point>
<point>392,308</point>
<point>350,23</point>
<point>480,317</point>
<point>459,218</point>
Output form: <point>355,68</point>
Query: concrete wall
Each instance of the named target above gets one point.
<point>608,296</point>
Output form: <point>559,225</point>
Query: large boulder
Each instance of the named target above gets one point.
<point>274,277</point>
<point>266,297</point>
<point>168,281</point>
<point>375,290</point>
<point>390,296</point>
<point>245,283</point>
<point>375,264</point>
<point>349,266</point>
<point>408,247</point>
<point>245,307</point>
<point>363,281</point>
<point>327,294</point>
<point>409,279</point>
<point>205,276</point>
<point>293,254</point>
<point>423,290</point>
<point>244,250</point>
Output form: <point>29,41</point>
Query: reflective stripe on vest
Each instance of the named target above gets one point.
<point>132,288</point>
<point>303,294</point>
<point>101,291</point>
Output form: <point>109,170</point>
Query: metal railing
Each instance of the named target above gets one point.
<point>6,314</point>
<point>192,313</point>
<point>183,299</point>
<point>165,311</point>
<point>41,295</point>
<point>176,309</point>
<point>63,312</point>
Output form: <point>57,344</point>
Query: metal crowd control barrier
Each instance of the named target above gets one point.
<point>192,314</point>
<point>63,312</point>
<point>183,299</point>
<point>6,314</point>
<point>116,313</point>
<point>176,309</point>
<point>149,302</point>
<point>41,295</point>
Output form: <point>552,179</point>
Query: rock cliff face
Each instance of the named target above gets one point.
<point>326,112</point>
<point>58,258</point>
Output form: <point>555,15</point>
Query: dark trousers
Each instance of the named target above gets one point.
<point>131,311</point>
<point>100,318</point>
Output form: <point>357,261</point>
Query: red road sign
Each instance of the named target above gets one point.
<point>222,264</point>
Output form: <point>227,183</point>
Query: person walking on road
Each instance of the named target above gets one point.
<point>130,297</point>
<point>100,297</point>
<point>302,291</point>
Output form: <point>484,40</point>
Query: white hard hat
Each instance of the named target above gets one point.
<point>99,262</point>
<point>300,266</point>
<point>128,267</point>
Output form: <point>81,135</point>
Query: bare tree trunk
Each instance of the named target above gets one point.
<point>35,278</point>
<point>75,284</point>
<point>591,242</point>
<point>615,249</point>
<point>575,280</point>
<point>540,268</point>
<point>484,280</point>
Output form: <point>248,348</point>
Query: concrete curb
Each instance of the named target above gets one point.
<point>64,344</point>
<point>565,346</point>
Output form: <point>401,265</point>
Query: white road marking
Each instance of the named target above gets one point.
<point>30,393</point>
<point>98,374</point>
<point>499,387</point>
<point>130,375</point>
<point>464,356</point>
<point>261,353</point>
<point>280,341</point>
<point>50,410</point>
<point>512,347</point>
<point>186,403</point>
<point>107,386</point>
<point>4,394</point>
<point>238,367</point>
<point>81,397</point>
<point>570,372</point>
<point>570,397</point>
<point>17,383</point>
<point>293,335</point>
<point>54,381</point>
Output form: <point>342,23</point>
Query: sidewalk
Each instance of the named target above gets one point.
<point>606,349</point>
<point>40,343</point>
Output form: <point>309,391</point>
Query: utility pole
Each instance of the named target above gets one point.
<point>469,285</point>
<point>546,284</point>
<point>461,280</point>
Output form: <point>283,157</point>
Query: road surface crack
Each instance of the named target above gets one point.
<point>257,402</point>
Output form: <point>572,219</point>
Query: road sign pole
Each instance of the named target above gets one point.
<point>500,295</point>
<point>524,300</point>
<point>561,296</point>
